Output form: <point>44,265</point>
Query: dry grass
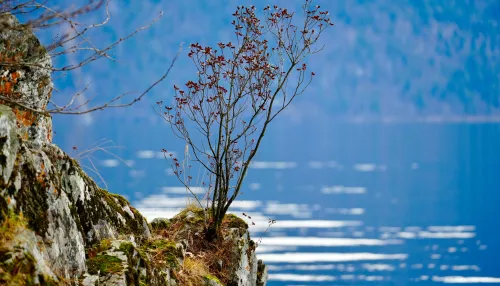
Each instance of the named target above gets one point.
<point>20,270</point>
<point>203,257</point>
<point>11,226</point>
<point>191,206</point>
<point>193,272</point>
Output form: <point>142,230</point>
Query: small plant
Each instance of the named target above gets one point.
<point>240,88</point>
<point>193,271</point>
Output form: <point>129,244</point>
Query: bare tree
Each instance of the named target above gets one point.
<point>239,90</point>
<point>74,40</point>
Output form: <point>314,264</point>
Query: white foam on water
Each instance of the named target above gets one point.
<point>303,267</point>
<point>451,228</point>
<point>338,189</point>
<point>325,242</point>
<point>378,267</point>
<point>110,163</point>
<point>161,201</point>
<point>446,235</point>
<point>273,248</point>
<point>465,268</point>
<point>356,211</point>
<point>301,257</point>
<point>294,210</point>
<point>389,229</point>
<point>413,228</point>
<point>254,186</point>
<point>151,214</point>
<point>365,167</point>
<point>245,205</point>
<point>315,164</point>
<point>150,154</point>
<point>345,211</point>
<point>407,235</point>
<point>315,223</point>
<point>146,154</point>
<point>273,165</point>
<point>464,279</point>
<point>300,278</point>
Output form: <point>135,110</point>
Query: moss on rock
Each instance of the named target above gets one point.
<point>18,265</point>
<point>233,221</point>
<point>127,248</point>
<point>159,224</point>
<point>212,280</point>
<point>104,264</point>
<point>165,252</point>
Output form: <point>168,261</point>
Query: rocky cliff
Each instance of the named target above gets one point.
<point>58,227</point>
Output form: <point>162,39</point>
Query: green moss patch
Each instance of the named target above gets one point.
<point>164,252</point>
<point>127,248</point>
<point>104,263</point>
<point>233,221</point>
<point>19,269</point>
<point>213,278</point>
<point>160,224</point>
<point>192,215</point>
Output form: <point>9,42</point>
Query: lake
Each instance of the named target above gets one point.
<point>355,203</point>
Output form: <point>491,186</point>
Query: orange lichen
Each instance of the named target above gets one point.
<point>41,178</point>
<point>7,84</point>
<point>25,136</point>
<point>26,118</point>
<point>49,133</point>
<point>15,75</point>
<point>6,88</point>
<point>12,59</point>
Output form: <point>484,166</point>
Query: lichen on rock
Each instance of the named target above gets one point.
<point>25,83</point>
<point>65,210</point>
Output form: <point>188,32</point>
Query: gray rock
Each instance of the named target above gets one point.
<point>246,269</point>
<point>8,141</point>
<point>262,273</point>
<point>65,209</point>
<point>25,80</point>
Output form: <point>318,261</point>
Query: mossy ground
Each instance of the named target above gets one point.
<point>104,264</point>
<point>99,247</point>
<point>211,277</point>
<point>105,205</point>
<point>17,266</point>
<point>165,252</point>
<point>233,221</point>
<point>160,225</point>
<point>217,256</point>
